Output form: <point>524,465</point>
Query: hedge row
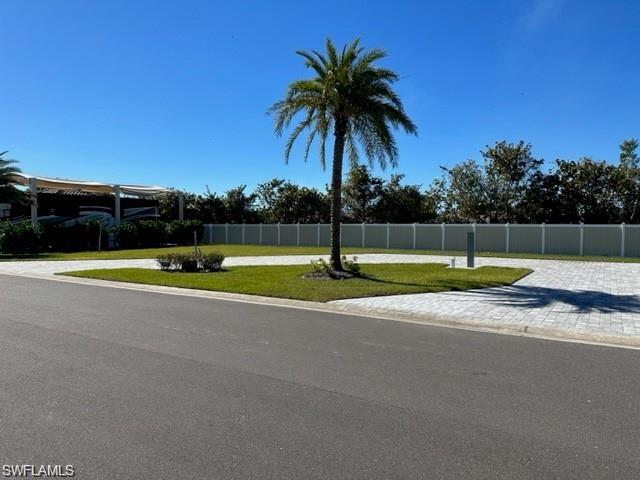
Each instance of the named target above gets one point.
<point>25,238</point>
<point>155,233</point>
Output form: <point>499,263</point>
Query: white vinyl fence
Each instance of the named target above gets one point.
<point>576,239</point>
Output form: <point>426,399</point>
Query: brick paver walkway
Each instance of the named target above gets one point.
<point>591,297</point>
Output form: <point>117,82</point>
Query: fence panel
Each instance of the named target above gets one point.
<point>252,234</point>
<point>455,236</point>
<point>270,234</point>
<point>401,236</point>
<point>632,240</point>
<point>602,240</point>
<point>491,238</point>
<point>308,235</point>
<point>351,235</point>
<point>525,238</point>
<point>375,236</point>
<point>562,239</point>
<point>429,237</point>
<point>235,233</point>
<point>288,234</point>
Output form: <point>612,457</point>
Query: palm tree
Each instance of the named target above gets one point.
<point>354,99</point>
<point>7,170</point>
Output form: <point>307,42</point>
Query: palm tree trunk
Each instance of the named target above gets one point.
<point>336,196</point>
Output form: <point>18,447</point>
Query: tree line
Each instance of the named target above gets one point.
<point>508,184</point>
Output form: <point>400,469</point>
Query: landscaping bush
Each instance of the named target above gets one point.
<point>151,233</point>
<point>189,262</point>
<point>212,262</point>
<point>126,235</point>
<point>21,238</point>
<point>321,268</point>
<point>181,231</point>
<point>78,237</point>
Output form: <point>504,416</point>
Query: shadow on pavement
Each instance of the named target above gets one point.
<point>581,300</point>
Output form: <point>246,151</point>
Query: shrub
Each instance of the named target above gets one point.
<point>166,262</point>
<point>126,235</point>
<point>75,238</point>
<point>151,233</point>
<point>321,266</point>
<point>212,262</point>
<point>352,265</point>
<point>181,231</point>
<point>189,262</point>
<point>21,238</point>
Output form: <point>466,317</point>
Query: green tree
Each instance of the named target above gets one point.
<point>509,168</point>
<point>463,193</point>
<point>8,168</point>
<point>352,98</point>
<point>361,192</point>
<point>400,203</point>
<point>283,201</point>
<point>629,153</point>
<point>629,180</point>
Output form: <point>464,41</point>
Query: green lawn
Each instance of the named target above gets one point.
<point>286,281</point>
<point>262,250</point>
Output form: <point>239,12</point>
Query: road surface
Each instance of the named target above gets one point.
<point>129,384</point>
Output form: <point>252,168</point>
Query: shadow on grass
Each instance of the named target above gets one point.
<point>582,301</point>
<point>440,284</point>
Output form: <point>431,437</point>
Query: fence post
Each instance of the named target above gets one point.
<point>318,234</point>
<point>363,234</point>
<point>388,229</point>
<point>244,226</point>
<point>442,236</point>
<point>544,234</point>
<point>508,233</point>
<point>226,233</point>
<point>278,233</point>
<point>622,239</point>
<point>414,236</point>
<point>581,239</point>
<point>260,233</point>
<point>298,234</point>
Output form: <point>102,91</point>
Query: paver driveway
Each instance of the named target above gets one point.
<point>589,297</point>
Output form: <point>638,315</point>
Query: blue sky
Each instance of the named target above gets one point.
<point>175,93</point>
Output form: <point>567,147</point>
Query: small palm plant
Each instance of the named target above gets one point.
<point>7,171</point>
<point>352,98</point>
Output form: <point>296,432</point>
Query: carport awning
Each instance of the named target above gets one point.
<point>90,187</point>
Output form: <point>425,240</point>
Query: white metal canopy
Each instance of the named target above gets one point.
<point>34,182</point>
<point>87,186</point>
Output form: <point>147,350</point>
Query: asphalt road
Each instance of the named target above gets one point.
<point>126,384</point>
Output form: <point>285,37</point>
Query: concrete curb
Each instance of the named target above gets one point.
<point>546,333</point>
